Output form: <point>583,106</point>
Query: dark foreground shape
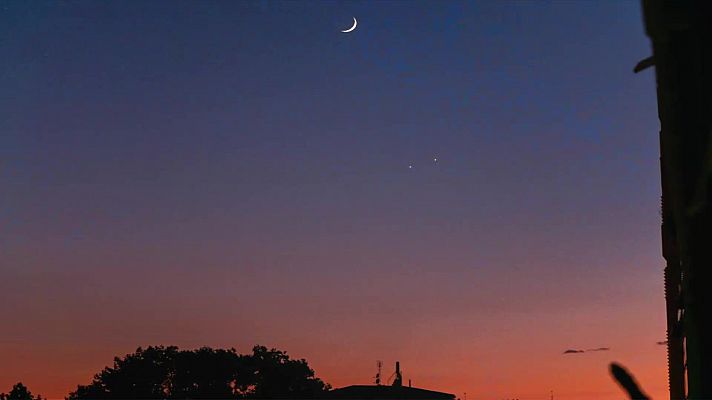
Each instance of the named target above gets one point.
<point>379,392</point>
<point>627,382</point>
<point>681,34</point>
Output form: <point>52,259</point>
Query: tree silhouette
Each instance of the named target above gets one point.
<point>168,373</point>
<point>270,374</point>
<point>142,375</point>
<point>19,392</point>
<point>205,374</point>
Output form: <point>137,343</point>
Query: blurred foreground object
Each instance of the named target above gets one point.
<point>627,382</point>
<point>681,35</point>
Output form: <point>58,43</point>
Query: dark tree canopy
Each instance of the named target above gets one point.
<point>19,392</point>
<point>205,374</point>
<point>142,375</point>
<point>272,375</point>
<point>169,373</point>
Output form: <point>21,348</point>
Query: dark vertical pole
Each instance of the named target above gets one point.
<point>681,33</point>
<point>674,309</point>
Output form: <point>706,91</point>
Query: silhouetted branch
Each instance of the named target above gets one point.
<point>627,382</point>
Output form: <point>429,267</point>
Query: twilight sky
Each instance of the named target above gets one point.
<point>232,173</point>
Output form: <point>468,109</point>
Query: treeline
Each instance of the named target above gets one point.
<point>19,392</point>
<point>159,372</point>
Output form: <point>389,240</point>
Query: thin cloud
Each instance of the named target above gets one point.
<point>570,351</point>
<point>579,351</point>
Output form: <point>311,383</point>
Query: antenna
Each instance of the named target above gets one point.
<point>379,364</point>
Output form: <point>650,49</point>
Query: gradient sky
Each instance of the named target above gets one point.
<point>234,173</point>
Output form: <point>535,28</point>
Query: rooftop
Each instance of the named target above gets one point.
<point>382,392</point>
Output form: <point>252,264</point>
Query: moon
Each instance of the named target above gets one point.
<point>353,27</point>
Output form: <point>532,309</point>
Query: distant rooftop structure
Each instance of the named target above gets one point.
<point>396,391</point>
<point>381,392</point>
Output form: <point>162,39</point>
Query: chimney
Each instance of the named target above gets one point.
<point>398,381</point>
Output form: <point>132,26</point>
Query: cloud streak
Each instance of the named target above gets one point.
<point>570,351</point>
<point>579,351</point>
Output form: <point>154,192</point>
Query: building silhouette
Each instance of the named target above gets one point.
<point>395,391</point>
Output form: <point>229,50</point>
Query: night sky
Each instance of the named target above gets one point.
<point>233,173</point>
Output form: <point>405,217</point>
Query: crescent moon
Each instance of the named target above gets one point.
<point>353,27</point>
